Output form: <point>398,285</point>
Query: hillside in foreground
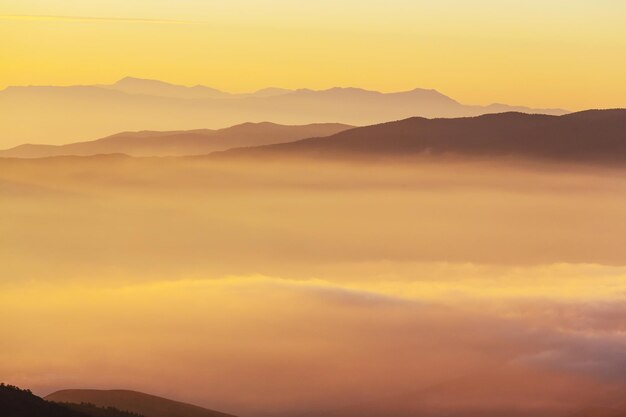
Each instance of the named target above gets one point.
<point>133,401</point>
<point>16,402</point>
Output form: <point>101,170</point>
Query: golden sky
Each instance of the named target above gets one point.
<point>197,280</point>
<point>557,53</point>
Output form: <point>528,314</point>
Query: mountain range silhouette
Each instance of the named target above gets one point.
<point>56,115</point>
<point>590,136</point>
<point>177,143</point>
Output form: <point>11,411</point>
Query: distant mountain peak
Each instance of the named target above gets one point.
<point>424,90</point>
<point>128,81</point>
<point>352,89</point>
<point>271,92</point>
<point>136,80</point>
<point>333,92</point>
<point>145,86</point>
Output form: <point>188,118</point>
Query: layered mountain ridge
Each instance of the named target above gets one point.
<point>56,115</point>
<point>588,136</point>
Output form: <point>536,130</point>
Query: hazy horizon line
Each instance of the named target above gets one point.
<point>297,89</point>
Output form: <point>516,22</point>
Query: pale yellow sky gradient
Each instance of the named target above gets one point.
<point>557,53</point>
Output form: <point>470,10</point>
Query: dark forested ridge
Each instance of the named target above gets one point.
<point>92,410</point>
<point>138,402</point>
<point>16,402</point>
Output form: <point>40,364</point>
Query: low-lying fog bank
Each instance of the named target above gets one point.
<point>339,289</point>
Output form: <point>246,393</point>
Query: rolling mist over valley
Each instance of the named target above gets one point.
<point>435,226</point>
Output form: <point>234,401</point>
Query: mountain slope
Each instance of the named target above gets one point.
<point>594,136</point>
<point>136,402</point>
<point>193,142</point>
<point>54,115</point>
<point>15,402</point>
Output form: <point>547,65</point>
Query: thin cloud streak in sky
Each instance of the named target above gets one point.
<point>46,18</point>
